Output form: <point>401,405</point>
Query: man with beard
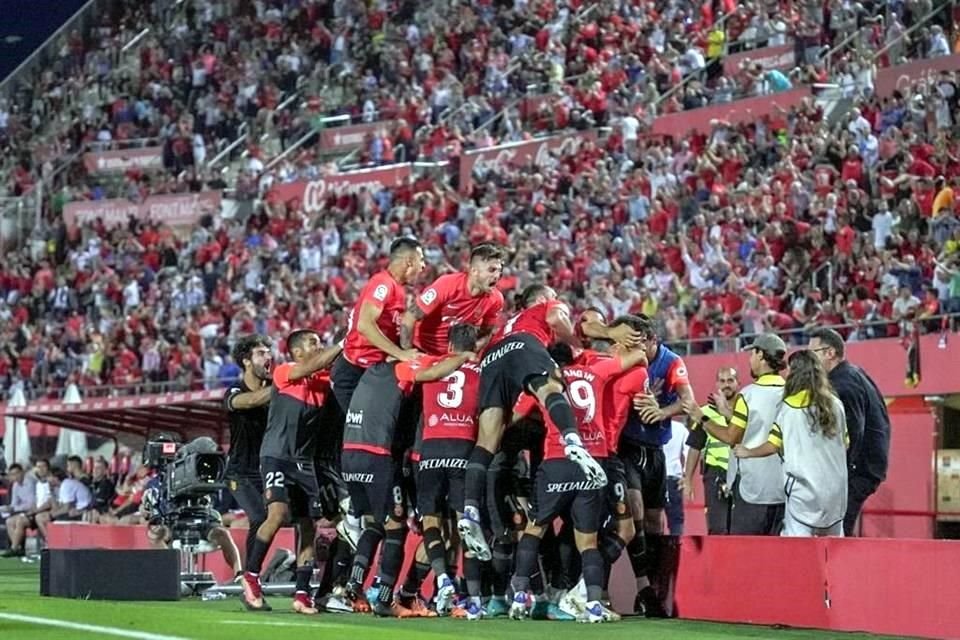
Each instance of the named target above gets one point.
<point>715,453</point>
<point>247,404</point>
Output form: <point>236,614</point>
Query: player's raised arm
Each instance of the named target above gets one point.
<point>408,324</point>
<point>317,358</point>
<point>593,325</point>
<point>369,329</point>
<point>445,367</point>
<point>558,317</point>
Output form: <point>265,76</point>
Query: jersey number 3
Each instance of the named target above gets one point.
<point>452,396</point>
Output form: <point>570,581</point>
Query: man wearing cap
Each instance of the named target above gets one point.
<point>758,496</point>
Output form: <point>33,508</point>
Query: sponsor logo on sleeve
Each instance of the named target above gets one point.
<point>380,293</point>
<point>428,296</point>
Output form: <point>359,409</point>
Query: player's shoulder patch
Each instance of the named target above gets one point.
<point>428,296</point>
<point>380,293</point>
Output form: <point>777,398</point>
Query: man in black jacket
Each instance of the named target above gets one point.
<point>867,422</point>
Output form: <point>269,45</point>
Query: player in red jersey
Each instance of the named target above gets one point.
<point>515,362</point>
<point>469,297</point>
<point>559,487</point>
<point>373,327</point>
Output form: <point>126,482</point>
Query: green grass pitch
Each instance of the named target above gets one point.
<point>24,615</point>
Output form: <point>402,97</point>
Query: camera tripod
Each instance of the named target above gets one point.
<point>192,581</point>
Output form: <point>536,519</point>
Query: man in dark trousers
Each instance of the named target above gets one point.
<point>247,403</point>
<point>867,422</point>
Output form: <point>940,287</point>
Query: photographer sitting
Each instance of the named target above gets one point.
<point>197,524</point>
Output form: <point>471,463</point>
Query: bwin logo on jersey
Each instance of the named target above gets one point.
<point>355,418</point>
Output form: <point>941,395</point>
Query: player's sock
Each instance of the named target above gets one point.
<point>304,573</point>
<point>366,547</point>
<point>611,546</point>
<point>502,566</point>
<point>415,577</point>
<point>391,561</point>
<point>436,552</point>
<point>475,479</point>
<point>341,562</point>
<point>638,558</point>
<point>472,572</point>
<point>528,565</point>
<point>570,563</point>
<point>550,557</point>
<point>561,413</point>
<point>257,555</point>
<point>593,573</point>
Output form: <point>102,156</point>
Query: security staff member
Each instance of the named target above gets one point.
<point>715,453</point>
<point>868,423</point>
<point>756,483</point>
<point>247,403</point>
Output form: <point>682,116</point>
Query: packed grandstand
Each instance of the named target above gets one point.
<point>836,211</point>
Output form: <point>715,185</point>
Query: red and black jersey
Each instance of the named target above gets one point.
<point>618,400</point>
<point>447,302</point>
<point>379,405</point>
<point>450,405</point>
<point>533,321</point>
<point>385,293</point>
<point>295,409</point>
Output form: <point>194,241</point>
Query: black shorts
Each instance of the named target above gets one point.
<point>292,482</point>
<point>375,484</point>
<point>561,489</point>
<point>646,469</point>
<point>507,368</point>
<point>344,378</point>
<point>617,505</point>
<point>333,491</point>
<point>440,475</point>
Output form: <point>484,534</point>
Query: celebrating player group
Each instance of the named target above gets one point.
<point>508,445</point>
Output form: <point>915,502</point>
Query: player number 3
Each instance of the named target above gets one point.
<point>452,396</point>
<point>581,395</point>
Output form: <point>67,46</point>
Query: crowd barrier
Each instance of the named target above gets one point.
<point>895,587</point>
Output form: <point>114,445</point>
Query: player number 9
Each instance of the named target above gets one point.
<point>581,395</point>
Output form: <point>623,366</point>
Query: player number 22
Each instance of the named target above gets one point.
<point>274,479</point>
<point>581,395</point>
<point>452,396</point>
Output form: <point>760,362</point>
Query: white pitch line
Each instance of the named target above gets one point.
<point>92,628</point>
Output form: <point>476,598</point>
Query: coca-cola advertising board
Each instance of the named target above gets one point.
<point>177,209</point>
<point>505,156</point>
<point>144,158</point>
<point>314,193</point>
<point>350,136</point>
<point>745,110</point>
<point>782,57</point>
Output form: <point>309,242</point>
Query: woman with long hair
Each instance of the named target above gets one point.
<point>810,435</point>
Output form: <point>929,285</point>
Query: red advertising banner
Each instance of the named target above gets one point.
<point>147,158</point>
<point>516,153</point>
<point>681,123</point>
<point>337,138</point>
<point>172,209</point>
<point>313,194</point>
<point>782,57</point>
<point>900,76</point>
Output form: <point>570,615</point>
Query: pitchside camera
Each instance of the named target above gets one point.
<point>197,470</point>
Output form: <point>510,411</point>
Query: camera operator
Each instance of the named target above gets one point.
<point>247,405</point>
<point>162,514</point>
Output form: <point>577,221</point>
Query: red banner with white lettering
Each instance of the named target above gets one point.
<point>682,123</point>
<point>350,136</point>
<point>173,209</point>
<point>312,194</point>
<point>516,154</point>
<point>782,57</point>
<point>144,158</point>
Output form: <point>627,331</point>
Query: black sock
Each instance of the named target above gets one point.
<point>611,546</point>
<point>326,576</point>
<point>570,563</point>
<point>561,413</point>
<point>257,555</point>
<point>550,558</point>
<point>475,478</point>
<point>366,547</point>
<point>415,577</point>
<point>528,566</point>
<point>638,555</point>
<point>436,552</point>
<point>502,567</point>
<point>472,574</point>
<point>304,573</point>
<point>391,562</point>
<point>593,573</point>
<point>341,564</point>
